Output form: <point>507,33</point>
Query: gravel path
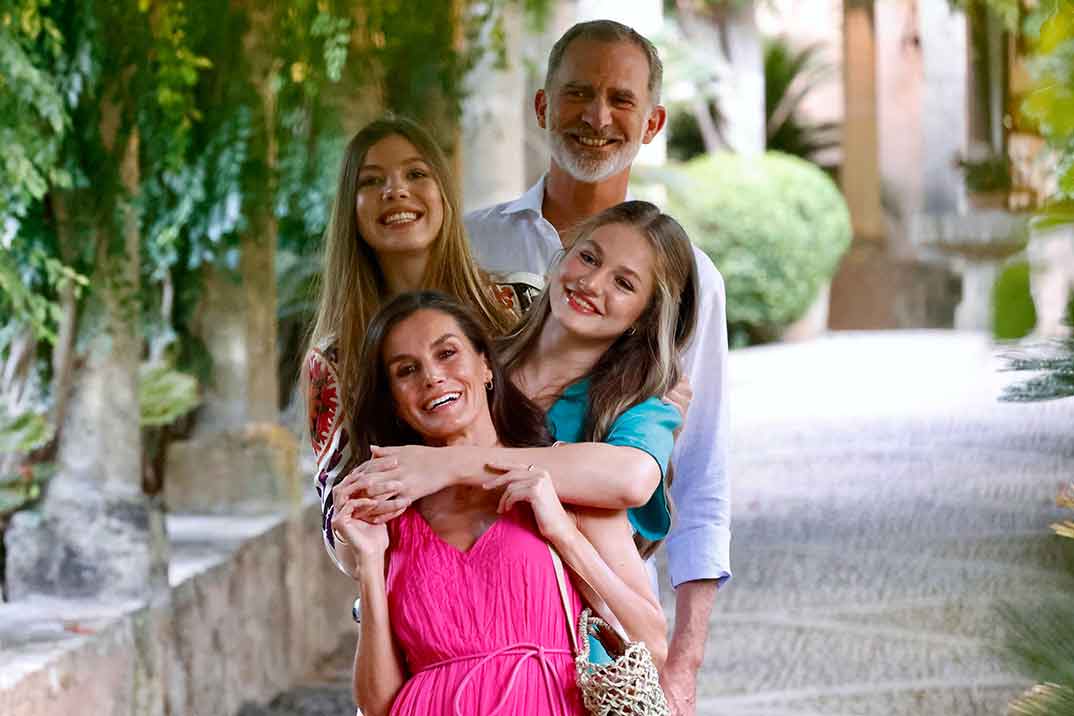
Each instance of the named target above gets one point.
<point>884,502</point>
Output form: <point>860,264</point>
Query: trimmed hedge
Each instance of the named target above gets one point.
<point>774,225</point>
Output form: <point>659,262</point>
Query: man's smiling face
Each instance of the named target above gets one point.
<point>598,110</point>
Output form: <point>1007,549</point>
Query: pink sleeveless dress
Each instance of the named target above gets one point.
<point>483,632</point>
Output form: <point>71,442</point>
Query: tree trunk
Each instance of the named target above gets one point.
<point>63,352</point>
<point>860,177</point>
<point>864,287</point>
<point>240,457</point>
<point>96,535</point>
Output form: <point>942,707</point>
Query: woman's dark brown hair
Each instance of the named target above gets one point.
<point>518,421</point>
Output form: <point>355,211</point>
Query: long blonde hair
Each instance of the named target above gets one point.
<point>352,285</point>
<point>640,363</point>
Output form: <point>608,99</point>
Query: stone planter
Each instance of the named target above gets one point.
<point>975,244</point>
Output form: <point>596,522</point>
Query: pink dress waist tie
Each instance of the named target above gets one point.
<point>523,652</point>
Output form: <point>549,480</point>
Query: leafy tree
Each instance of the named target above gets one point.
<point>228,119</point>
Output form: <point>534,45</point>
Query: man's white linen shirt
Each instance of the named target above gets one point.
<point>515,236</point>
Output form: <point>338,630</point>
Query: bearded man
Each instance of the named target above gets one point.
<point>600,102</point>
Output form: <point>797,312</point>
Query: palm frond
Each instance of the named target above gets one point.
<point>1044,700</point>
<point>791,75</point>
<point>1053,361</point>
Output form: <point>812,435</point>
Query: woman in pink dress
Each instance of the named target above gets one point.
<point>461,614</point>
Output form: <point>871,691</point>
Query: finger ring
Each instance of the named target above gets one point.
<point>338,536</point>
<point>531,468</point>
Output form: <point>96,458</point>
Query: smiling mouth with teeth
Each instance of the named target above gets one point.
<point>442,400</point>
<point>595,142</point>
<point>400,217</point>
<point>577,302</point>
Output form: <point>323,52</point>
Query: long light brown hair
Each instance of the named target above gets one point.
<point>643,362</point>
<point>352,285</point>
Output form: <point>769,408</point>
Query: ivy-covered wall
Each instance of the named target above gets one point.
<point>238,111</point>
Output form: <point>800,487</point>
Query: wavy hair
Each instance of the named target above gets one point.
<point>644,363</point>
<point>352,285</point>
<point>519,422</point>
<point>638,365</point>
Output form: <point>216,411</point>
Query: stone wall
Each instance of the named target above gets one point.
<point>254,605</point>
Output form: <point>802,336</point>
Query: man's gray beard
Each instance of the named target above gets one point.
<point>590,171</point>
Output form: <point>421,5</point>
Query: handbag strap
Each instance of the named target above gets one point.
<point>561,580</point>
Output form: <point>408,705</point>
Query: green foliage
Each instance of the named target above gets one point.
<point>1049,29</point>
<point>33,113</point>
<point>1053,364</point>
<point>20,490</point>
<point>1051,625</point>
<point>24,432</point>
<point>1009,12</point>
<point>240,111</point>
<point>684,136</point>
<point>1040,642</point>
<point>1051,102</point>
<point>790,75</point>
<point>1013,312</point>
<point>175,66</point>
<point>1040,639</point>
<point>29,278</point>
<point>165,394</point>
<point>1045,700</point>
<point>987,174</point>
<point>774,225</point>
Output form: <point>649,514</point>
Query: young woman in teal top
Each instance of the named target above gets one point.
<point>649,426</point>
<point>596,350</point>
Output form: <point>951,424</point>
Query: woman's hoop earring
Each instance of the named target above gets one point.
<point>489,385</point>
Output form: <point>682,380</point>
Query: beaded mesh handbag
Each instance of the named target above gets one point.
<point>627,686</point>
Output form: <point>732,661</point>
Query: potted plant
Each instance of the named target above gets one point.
<point>988,180</point>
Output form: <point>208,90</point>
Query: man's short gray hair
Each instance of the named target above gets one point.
<point>608,31</point>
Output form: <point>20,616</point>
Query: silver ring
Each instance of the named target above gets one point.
<point>531,468</point>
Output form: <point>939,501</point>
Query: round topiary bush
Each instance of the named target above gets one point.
<point>774,225</point>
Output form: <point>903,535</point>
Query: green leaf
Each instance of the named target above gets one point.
<point>165,394</point>
<point>1054,215</point>
<point>24,432</point>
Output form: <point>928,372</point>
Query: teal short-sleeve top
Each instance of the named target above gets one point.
<point>649,426</point>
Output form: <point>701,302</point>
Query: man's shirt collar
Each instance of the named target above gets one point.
<point>532,200</point>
